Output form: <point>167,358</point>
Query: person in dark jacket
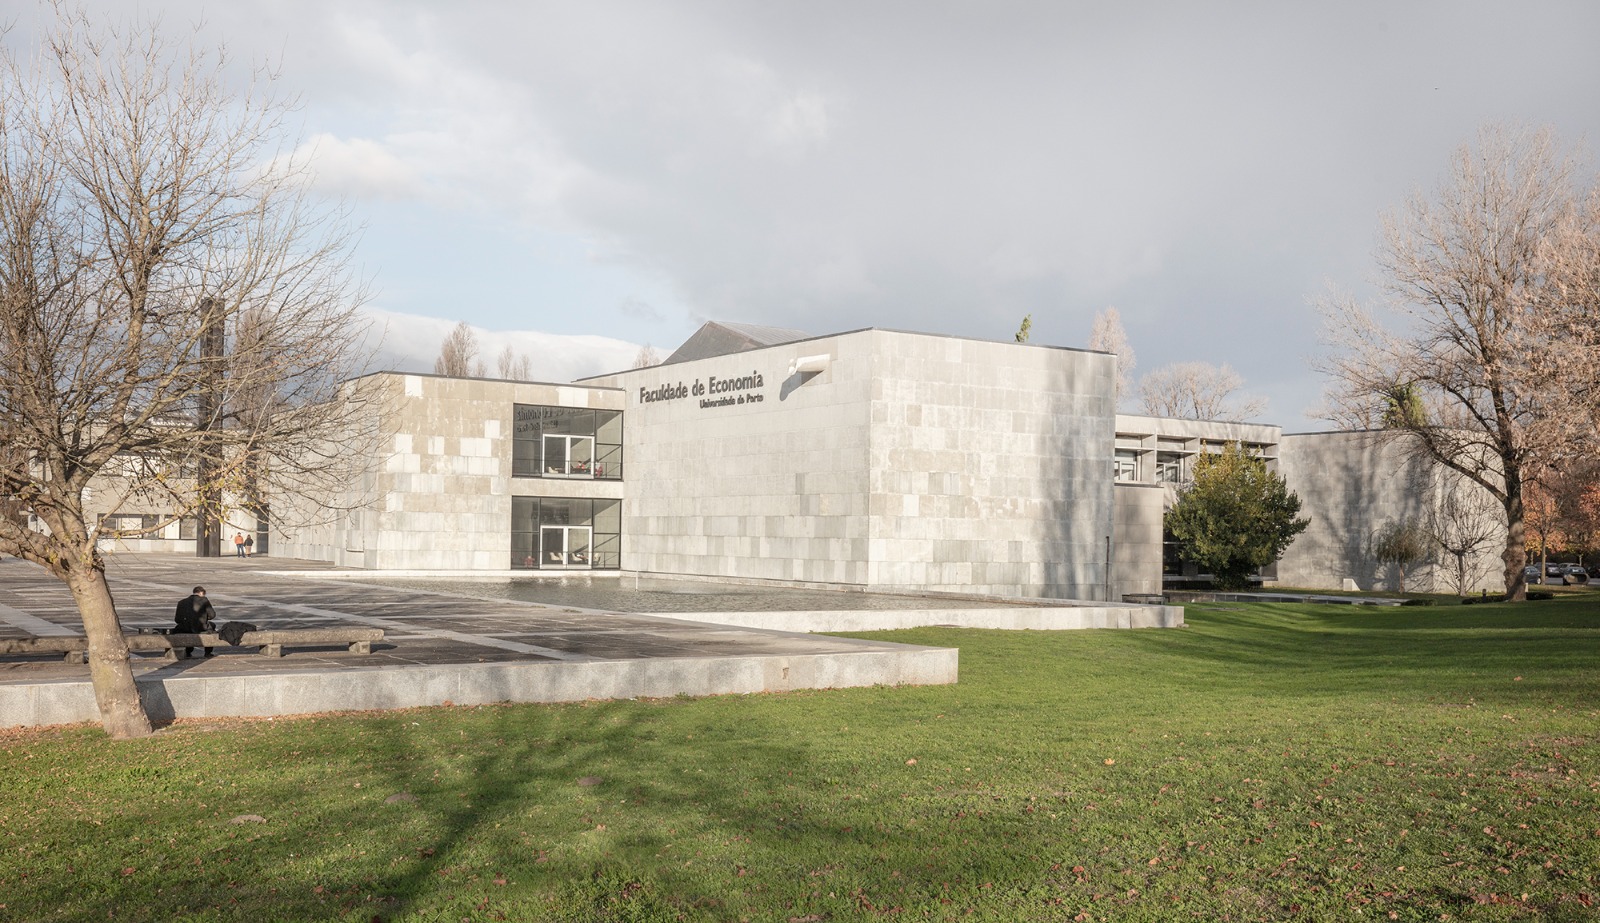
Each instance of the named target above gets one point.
<point>195,615</point>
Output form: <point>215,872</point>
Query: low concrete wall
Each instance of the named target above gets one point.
<point>1032,618</point>
<point>263,694</point>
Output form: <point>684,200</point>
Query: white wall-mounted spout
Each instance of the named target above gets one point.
<point>806,365</point>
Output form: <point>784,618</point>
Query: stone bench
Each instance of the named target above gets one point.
<point>269,642</point>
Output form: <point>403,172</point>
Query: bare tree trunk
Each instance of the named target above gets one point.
<point>213,332</point>
<point>110,671</point>
<point>1516,554</point>
<point>139,227</point>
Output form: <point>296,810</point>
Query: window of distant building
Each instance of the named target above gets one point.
<point>1169,468</point>
<point>131,522</point>
<point>1125,466</point>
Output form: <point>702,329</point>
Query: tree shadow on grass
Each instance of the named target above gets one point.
<point>652,810</point>
<point>597,812</point>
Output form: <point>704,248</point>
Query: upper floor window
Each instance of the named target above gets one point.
<point>566,442</point>
<point>1125,465</point>
<point>1169,468</point>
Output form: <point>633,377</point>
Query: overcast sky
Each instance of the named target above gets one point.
<point>623,171</point>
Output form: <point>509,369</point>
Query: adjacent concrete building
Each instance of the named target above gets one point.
<point>1154,457</point>
<point>1353,484</point>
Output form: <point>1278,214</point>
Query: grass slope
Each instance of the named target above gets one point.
<point>1269,762</point>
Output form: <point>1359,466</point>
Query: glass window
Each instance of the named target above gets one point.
<point>550,533</point>
<point>1169,468</point>
<point>130,522</point>
<point>608,445</point>
<point>1125,467</point>
<point>569,456</point>
<point>1171,555</point>
<point>566,442</point>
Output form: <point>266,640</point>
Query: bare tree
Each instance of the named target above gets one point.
<point>1465,521</point>
<point>1489,319</point>
<point>177,318</point>
<point>458,355</point>
<point>1197,391</point>
<point>512,366</point>
<point>1107,335</point>
<point>647,357</point>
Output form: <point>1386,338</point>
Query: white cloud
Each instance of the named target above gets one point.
<point>799,122</point>
<point>945,167</point>
<point>410,343</point>
<point>360,167</point>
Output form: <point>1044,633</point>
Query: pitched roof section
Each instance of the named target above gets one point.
<point>715,338</point>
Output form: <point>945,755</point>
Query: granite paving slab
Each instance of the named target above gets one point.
<point>468,648</point>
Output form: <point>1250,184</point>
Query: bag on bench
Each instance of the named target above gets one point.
<point>232,632</point>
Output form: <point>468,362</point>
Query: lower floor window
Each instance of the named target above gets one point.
<point>132,523</point>
<point>551,533</point>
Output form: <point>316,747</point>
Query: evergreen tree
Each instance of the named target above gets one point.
<point>1235,517</point>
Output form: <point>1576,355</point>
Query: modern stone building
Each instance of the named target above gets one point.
<point>871,459</point>
<point>875,459</point>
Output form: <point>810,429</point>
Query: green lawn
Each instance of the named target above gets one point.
<point>1268,762</point>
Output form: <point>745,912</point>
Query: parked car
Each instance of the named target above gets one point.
<point>1574,574</point>
<point>1530,574</point>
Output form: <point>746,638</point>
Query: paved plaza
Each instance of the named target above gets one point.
<point>437,647</point>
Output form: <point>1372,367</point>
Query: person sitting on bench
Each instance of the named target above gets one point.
<point>194,616</point>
